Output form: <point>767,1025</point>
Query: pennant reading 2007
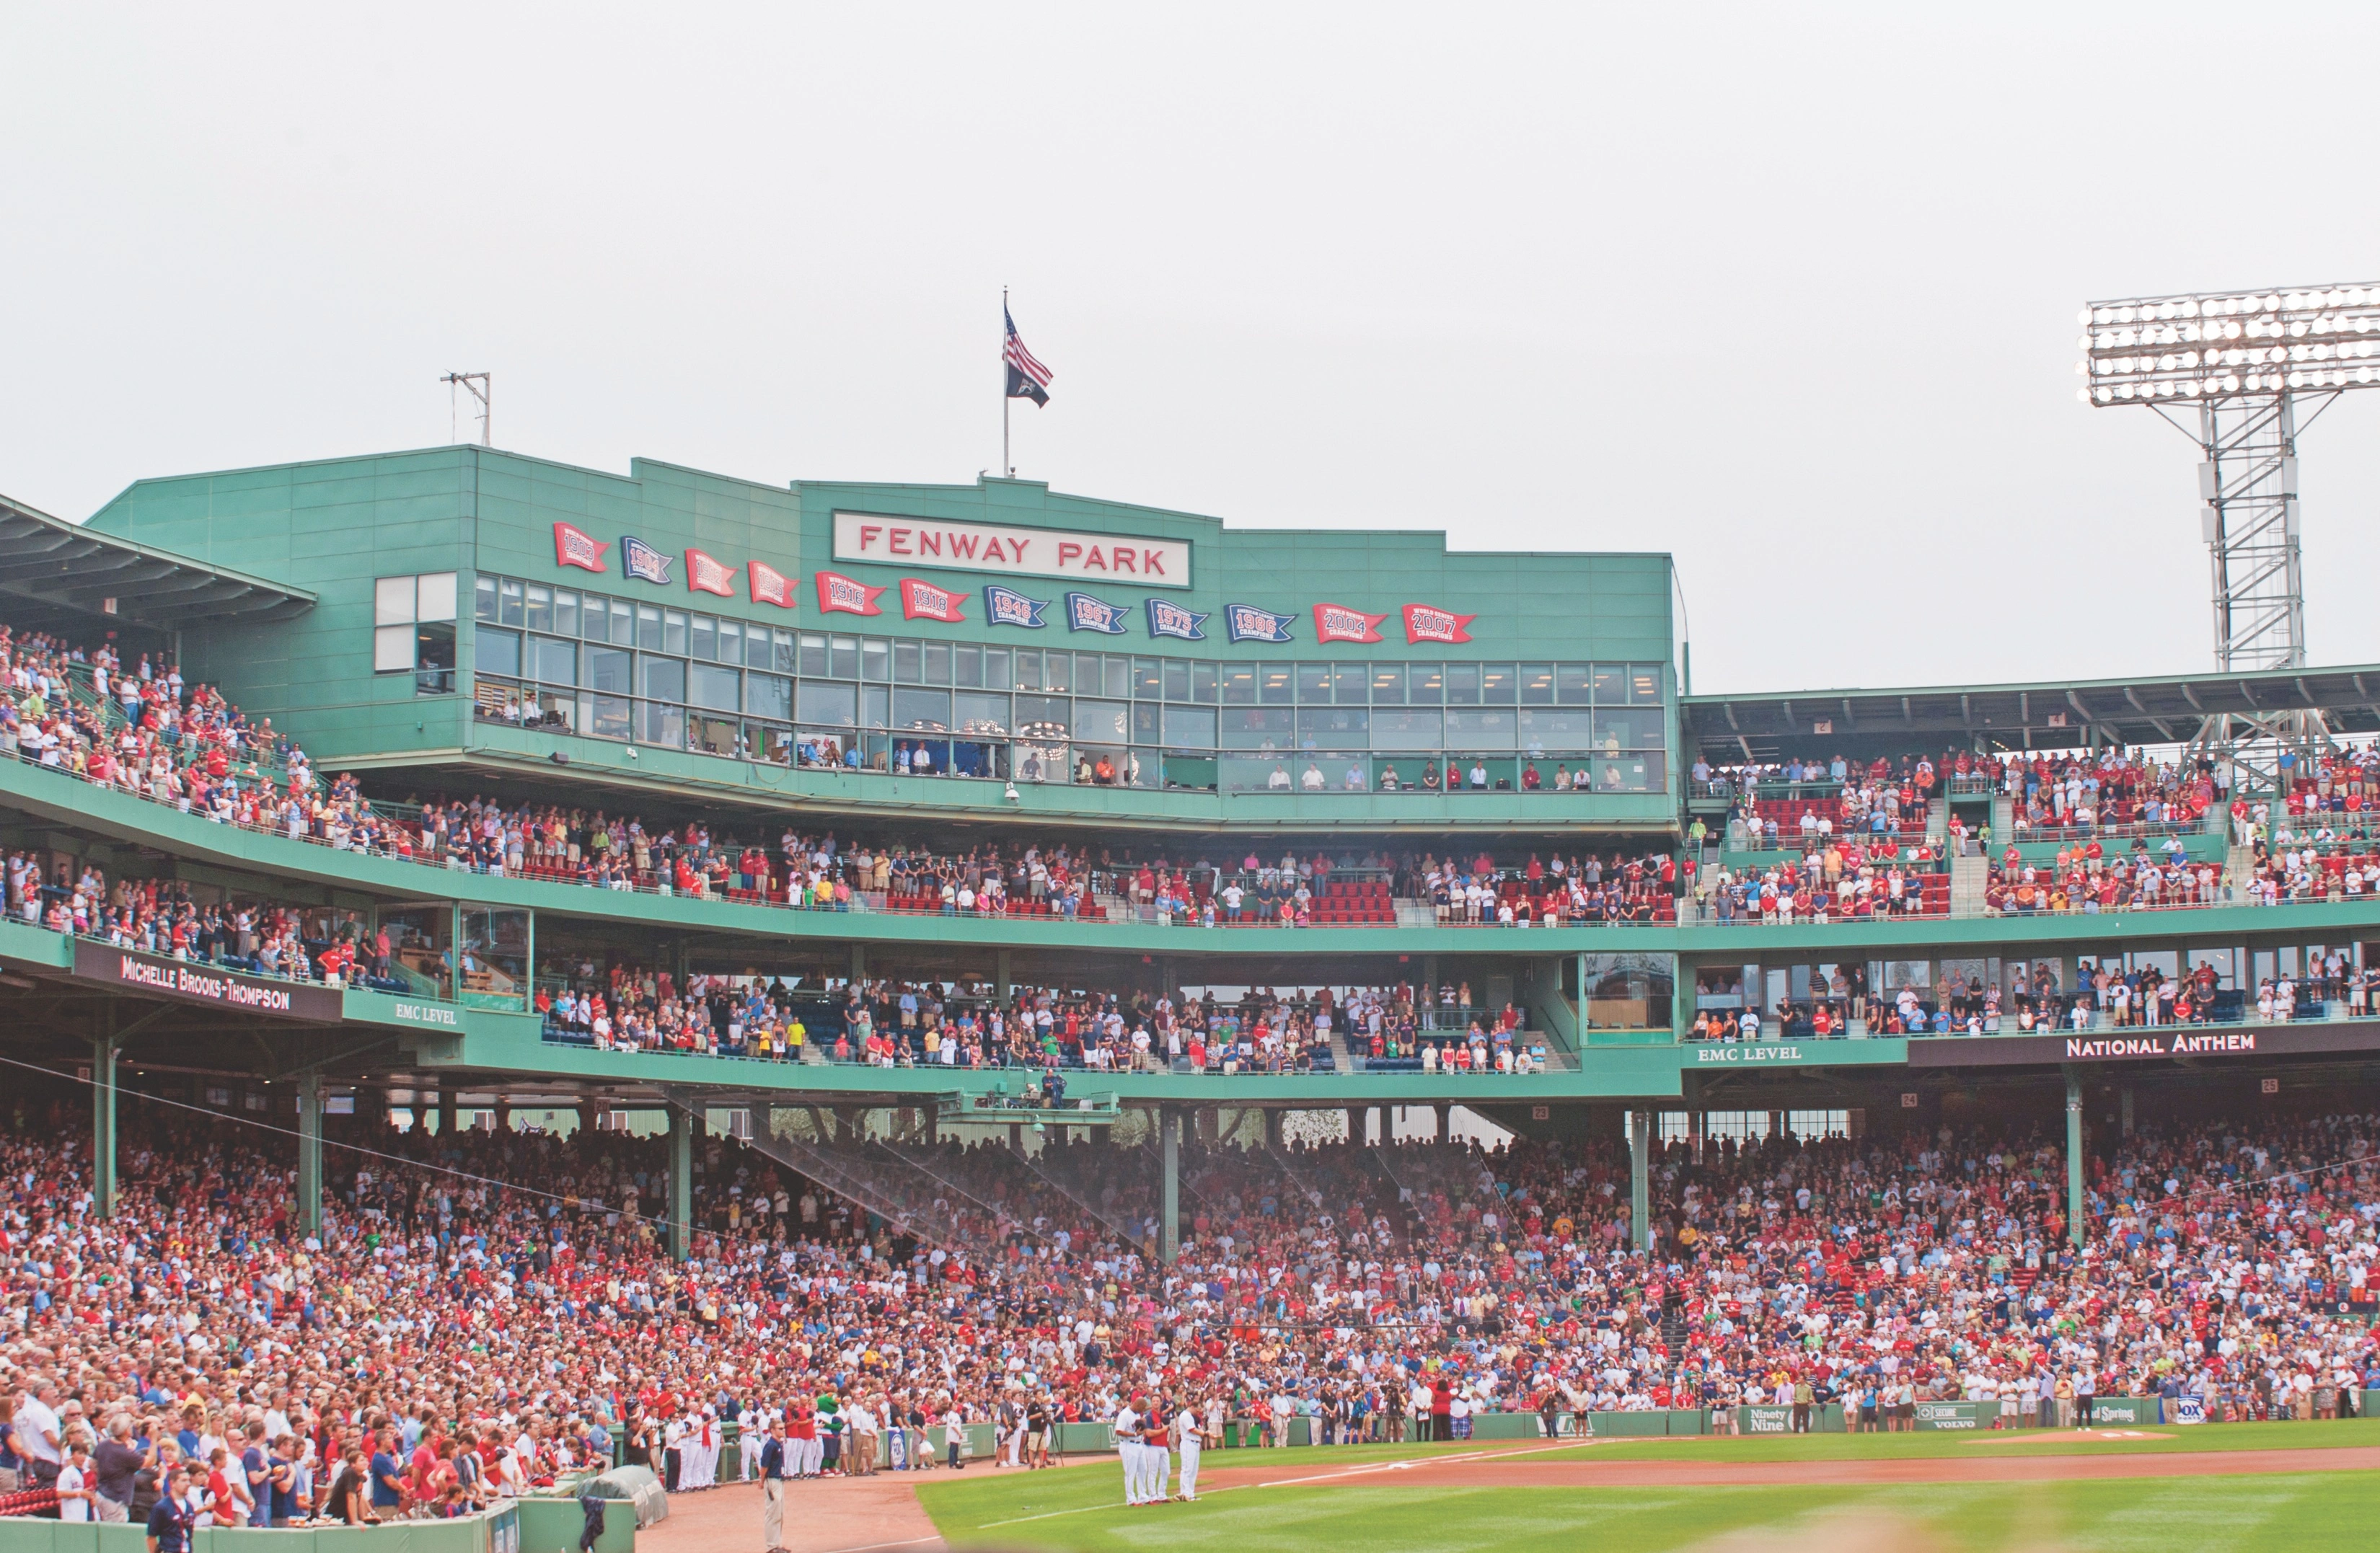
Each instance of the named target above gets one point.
<point>1005,606</point>
<point>1167,618</point>
<point>1425,623</point>
<point>1086,613</point>
<point>923,601</point>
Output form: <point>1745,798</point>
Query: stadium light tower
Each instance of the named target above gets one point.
<point>2241,373</point>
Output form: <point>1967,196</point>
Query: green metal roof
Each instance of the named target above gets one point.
<point>67,566</point>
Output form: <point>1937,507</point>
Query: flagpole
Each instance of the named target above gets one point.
<point>1007,471</point>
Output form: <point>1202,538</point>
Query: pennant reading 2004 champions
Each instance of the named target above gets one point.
<point>1337,623</point>
<point>1167,618</point>
<point>1005,606</point>
<point>1086,613</point>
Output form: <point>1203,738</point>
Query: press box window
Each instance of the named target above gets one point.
<point>413,630</point>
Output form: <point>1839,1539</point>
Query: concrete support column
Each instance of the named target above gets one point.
<point>2128,1111</point>
<point>1359,1119</point>
<point>2074,1206</point>
<point>1271,1128</point>
<point>1168,1220</point>
<point>1001,979</point>
<point>445,1113</point>
<point>1016,1138</point>
<point>860,962</point>
<point>681,1174</point>
<point>503,1114</point>
<point>1445,1124</point>
<point>929,1116</point>
<point>102,1123</point>
<point>1640,1180</point>
<point>764,1120</point>
<point>586,1114</point>
<point>310,1155</point>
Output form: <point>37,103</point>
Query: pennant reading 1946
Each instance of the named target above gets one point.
<point>1005,606</point>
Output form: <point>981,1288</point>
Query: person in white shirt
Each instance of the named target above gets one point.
<point>1189,1440</point>
<point>751,1438</point>
<point>75,1490</point>
<point>1127,1439</point>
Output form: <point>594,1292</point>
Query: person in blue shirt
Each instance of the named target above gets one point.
<point>170,1521</point>
<point>387,1473</point>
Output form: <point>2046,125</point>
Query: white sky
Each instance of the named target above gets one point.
<point>1789,292</point>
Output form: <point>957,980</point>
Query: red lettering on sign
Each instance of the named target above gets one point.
<point>930,542</point>
<point>1095,562</point>
<point>899,543</point>
<point>962,546</point>
<point>1067,551</point>
<point>1152,562</point>
<point>1123,558</point>
<point>1015,550</point>
<point>868,533</point>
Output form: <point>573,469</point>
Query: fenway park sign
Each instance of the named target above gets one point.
<point>205,984</point>
<point>2173,1043</point>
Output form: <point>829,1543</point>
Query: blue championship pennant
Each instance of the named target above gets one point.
<point>1246,623</point>
<point>1167,618</point>
<point>1005,606</point>
<point>1086,613</point>
<point>642,561</point>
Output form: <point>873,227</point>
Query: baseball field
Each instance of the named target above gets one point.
<point>2240,1489</point>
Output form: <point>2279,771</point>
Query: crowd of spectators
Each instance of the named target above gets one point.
<point>506,1296</point>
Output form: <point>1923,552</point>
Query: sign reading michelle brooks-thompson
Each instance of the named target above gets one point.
<point>204,984</point>
<point>990,548</point>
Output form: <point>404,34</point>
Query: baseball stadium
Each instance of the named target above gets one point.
<point>552,1008</point>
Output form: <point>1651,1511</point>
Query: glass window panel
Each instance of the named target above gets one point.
<point>982,712</point>
<point>1058,672</point>
<point>663,723</point>
<point>610,717</point>
<point>663,679</point>
<point>731,643</point>
<point>1275,684</point>
<point>1645,684</point>
<point>702,637</point>
<point>433,660</point>
<point>1145,683</point>
<point>1190,727</point>
<point>936,667</point>
<point>492,651</point>
<point>648,627</point>
<point>674,631</point>
<point>1028,668</point>
<point>1536,684</point>
<point>995,669</point>
<point>925,711</point>
<point>967,667</point>
<point>1424,683</point>
<point>1634,771</point>
<point>508,601</point>
<point>566,612</point>
<point>623,627</point>
<point>1239,685</point>
<point>607,670</point>
<point>828,704</point>
<point>1462,684</point>
<point>1202,682</point>
<point>1103,722</point>
<point>769,696</point>
<point>1333,727</point>
<point>781,655</point>
<point>1389,684</point>
<point>1628,730</point>
<point>1259,728</point>
<point>1481,727</point>
<point>1261,773</point>
<point>862,656</point>
<point>541,608</point>
<point>557,660</point>
<point>1574,683</point>
<point>1116,674</point>
<point>1610,685</point>
<point>875,707</point>
<point>813,655</point>
<point>483,600</point>
<point>1496,686</point>
<point>1350,680</point>
<point>393,601</point>
<point>905,662</point>
<point>1550,730</point>
<point>1412,729</point>
<point>1043,717</point>
<point>1314,681</point>
<point>1177,679</point>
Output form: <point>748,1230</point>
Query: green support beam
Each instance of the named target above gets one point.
<point>1640,1180</point>
<point>681,1173</point>
<point>1169,1133</point>
<point>310,1155</point>
<point>2075,1226</point>
<point>102,1123</point>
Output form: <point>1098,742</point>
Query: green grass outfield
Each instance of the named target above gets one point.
<point>1081,1507</point>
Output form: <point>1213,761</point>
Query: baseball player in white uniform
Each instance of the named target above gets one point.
<point>1189,1440</point>
<point>1128,1450</point>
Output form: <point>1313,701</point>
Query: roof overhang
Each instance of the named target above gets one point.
<point>69,567</point>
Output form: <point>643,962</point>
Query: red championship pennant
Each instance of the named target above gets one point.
<point>575,547</point>
<point>1337,623</point>
<point>923,601</point>
<point>842,595</point>
<point>1425,623</point>
<point>771,585</point>
<point>705,576</point>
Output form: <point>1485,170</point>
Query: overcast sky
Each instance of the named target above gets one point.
<point>1789,291</point>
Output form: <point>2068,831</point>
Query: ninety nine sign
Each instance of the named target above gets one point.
<point>989,548</point>
<point>205,984</point>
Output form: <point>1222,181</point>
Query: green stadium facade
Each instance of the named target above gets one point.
<point>952,664</point>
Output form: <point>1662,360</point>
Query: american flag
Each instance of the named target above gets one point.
<point>1028,379</point>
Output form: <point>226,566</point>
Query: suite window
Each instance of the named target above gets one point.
<point>413,630</point>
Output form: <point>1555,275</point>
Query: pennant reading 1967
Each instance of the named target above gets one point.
<point>1086,613</point>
